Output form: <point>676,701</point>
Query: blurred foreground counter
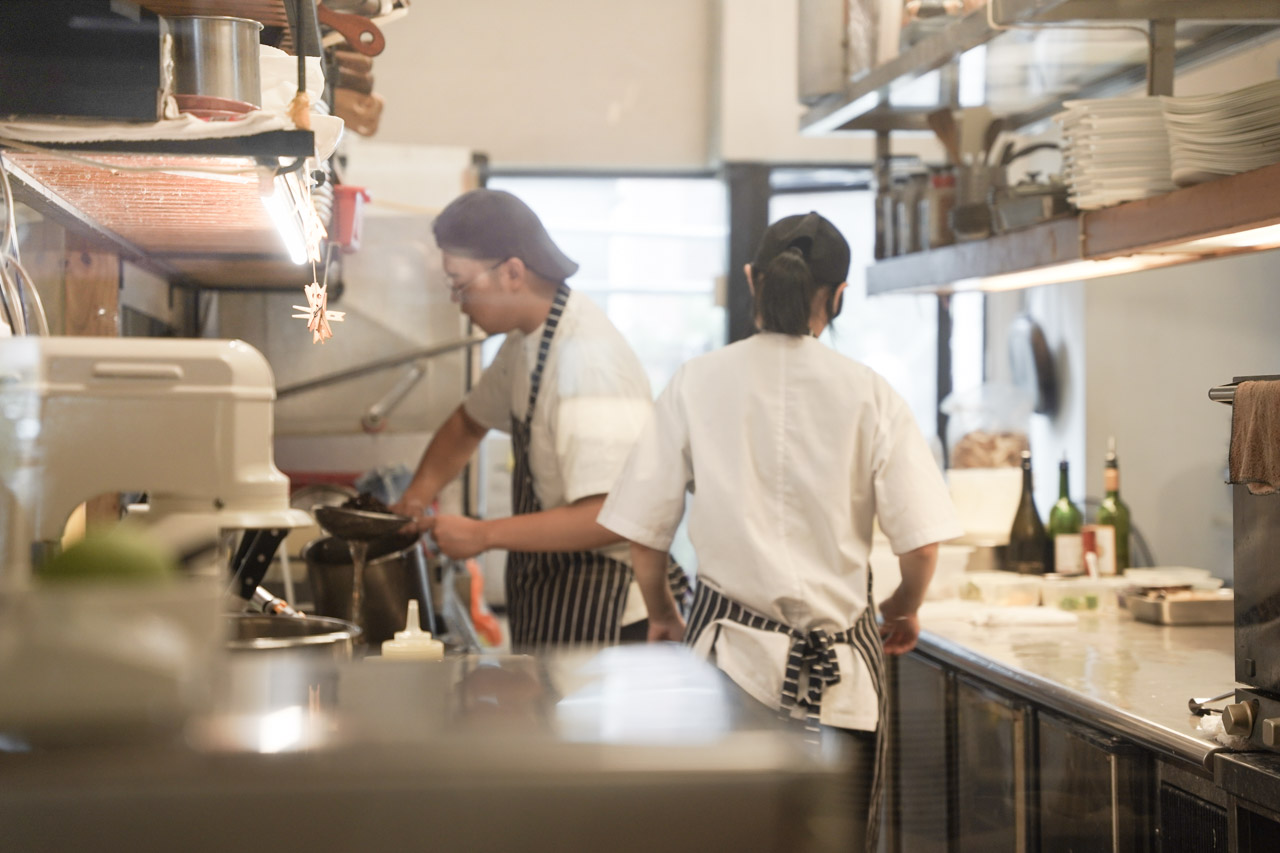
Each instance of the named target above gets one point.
<point>631,748</point>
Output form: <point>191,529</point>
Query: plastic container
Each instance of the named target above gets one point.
<point>950,572</point>
<point>412,643</point>
<point>348,215</point>
<point>1002,589</point>
<point>1172,576</point>
<point>1075,593</point>
<point>939,201</point>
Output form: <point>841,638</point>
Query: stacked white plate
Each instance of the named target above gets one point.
<point>1121,149</point>
<point>1115,150</point>
<point>1215,135</point>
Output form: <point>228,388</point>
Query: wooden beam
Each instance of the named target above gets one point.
<point>91,289</point>
<point>91,299</point>
<point>1234,203</point>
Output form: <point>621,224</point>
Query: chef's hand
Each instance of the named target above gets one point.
<point>457,536</point>
<point>418,512</point>
<point>667,629</point>
<point>901,628</point>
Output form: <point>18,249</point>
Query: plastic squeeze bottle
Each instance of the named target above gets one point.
<point>412,643</point>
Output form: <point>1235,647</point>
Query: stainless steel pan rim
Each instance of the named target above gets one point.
<point>257,24</point>
<point>338,631</point>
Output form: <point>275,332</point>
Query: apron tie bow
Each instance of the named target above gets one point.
<point>817,650</point>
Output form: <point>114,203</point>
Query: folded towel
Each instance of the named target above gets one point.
<point>1254,458</point>
<point>327,129</point>
<point>995,617</point>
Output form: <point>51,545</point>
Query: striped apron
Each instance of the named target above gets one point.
<point>565,597</point>
<point>814,651</point>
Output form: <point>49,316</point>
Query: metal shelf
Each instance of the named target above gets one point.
<point>271,144</point>
<point>1082,62</point>
<point>945,269</point>
<point>200,230</point>
<point>1178,227</point>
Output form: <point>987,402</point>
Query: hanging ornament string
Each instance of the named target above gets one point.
<point>299,109</point>
<point>316,312</point>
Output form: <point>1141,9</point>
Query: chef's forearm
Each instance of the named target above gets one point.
<point>917,570</point>
<point>565,528</point>
<point>451,447</point>
<point>650,567</point>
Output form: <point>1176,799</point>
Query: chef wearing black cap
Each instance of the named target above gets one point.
<point>791,451</point>
<point>573,396</point>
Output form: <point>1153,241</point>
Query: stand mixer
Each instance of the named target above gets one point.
<point>187,421</point>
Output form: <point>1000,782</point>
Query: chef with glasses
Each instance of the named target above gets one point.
<point>573,396</point>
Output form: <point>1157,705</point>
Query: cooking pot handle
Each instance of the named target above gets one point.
<point>362,34</point>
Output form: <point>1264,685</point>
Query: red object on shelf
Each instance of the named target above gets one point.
<point>348,215</point>
<point>212,108</point>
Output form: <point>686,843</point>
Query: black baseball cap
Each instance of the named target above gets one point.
<point>495,224</point>
<point>823,246</point>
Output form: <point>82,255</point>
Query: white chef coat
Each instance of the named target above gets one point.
<point>791,450</point>
<point>593,402</point>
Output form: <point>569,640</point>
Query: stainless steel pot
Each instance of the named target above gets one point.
<point>216,57</point>
<point>319,635</point>
<point>282,662</point>
<point>395,572</point>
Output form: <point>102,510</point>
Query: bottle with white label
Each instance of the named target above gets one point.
<point>1114,511</point>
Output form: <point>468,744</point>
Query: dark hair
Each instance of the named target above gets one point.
<point>784,292</point>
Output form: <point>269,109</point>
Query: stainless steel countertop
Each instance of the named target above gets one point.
<point>630,749</point>
<point>1129,677</point>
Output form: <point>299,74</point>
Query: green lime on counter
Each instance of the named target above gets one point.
<point>115,556</point>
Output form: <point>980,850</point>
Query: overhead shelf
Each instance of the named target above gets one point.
<point>1236,214</point>
<point>268,12</point>
<point>200,229</point>
<point>1032,63</point>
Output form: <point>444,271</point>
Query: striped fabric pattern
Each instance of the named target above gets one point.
<point>561,598</point>
<point>816,651</point>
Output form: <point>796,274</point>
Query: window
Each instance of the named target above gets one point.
<point>651,252</point>
<point>895,335</point>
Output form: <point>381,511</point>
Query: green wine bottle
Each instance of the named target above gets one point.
<point>1114,511</point>
<point>1029,548</point>
<point>1064,516</point>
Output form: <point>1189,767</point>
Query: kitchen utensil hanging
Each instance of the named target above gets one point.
<point>943,123</point>
<point>362,34</point>
<point>1032,364</point>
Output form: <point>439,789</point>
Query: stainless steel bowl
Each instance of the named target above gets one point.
<point>253,632</point>
<point>216,57</point>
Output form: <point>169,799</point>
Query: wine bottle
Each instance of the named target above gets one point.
<point>1064,517</point>
<point>1114,511</point>
<point>1028,552</point>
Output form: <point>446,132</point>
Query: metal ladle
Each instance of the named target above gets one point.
<point>358,525</point>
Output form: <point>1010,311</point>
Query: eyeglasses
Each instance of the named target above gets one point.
<point>460,286</point>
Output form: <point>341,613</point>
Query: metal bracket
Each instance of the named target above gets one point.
<point>1161,53</point>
